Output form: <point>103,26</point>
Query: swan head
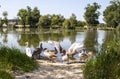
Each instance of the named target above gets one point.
<point>45,49</point>
<point>26,42</point>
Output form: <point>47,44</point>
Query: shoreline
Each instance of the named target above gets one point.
<point>48,70</point>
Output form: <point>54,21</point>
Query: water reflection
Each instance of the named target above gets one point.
<point>91,41</point>
<point>109,36</point>
<point>18,37</point>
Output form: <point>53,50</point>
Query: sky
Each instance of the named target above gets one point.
<point>63,7</point>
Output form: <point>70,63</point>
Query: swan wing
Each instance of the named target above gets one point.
<point>55,44</point>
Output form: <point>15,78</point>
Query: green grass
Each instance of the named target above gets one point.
<point>106,65</point>
<point>5,75</point>
<point>12,59</point>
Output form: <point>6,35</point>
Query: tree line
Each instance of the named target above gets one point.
<point>32,17</point>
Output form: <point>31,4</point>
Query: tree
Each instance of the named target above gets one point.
<point>81,23</point>
<point>23,15</point>
<point>29,16</point>
<point>73,21</point>
<point>91,14</point>
<point>35,16</point>
<point>44,20</point>
<point>57,20</point>
<point>112,14</point>
<point>70,23</point>
<point>54,20</point>
<point>5,14</point>
<point>66,24</point>
<point>61,20</point>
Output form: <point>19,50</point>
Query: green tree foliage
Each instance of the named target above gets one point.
<point>61,20</point>
<point>112,14</point>
<point>70,23</point>
<point>23,15</point>
<point>91,14</point>
<point>102,25</point>
<point>5,14</point>
<point>35,16</point>
<point>52,21</point>
<point>29,16</point>
<point>66,24</point>
<point>44,21</point>
<point>73,21</point>
<point>56,20</point>
<point>81,23</point>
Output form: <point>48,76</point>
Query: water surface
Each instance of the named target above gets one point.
<point>17,38</point>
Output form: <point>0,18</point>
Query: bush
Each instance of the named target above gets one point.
<point>106,65</point>
<point>14,59</point>
<point>5,75</point>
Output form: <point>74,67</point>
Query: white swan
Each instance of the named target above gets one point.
<point>55,44</point>
<point>28,50</point>
<point>75,48</point>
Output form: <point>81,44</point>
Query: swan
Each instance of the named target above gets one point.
<point>63,52</point>
<point>50,54</point>
<point>83,55</point>
<point>28,50</point>
<point>55,44</point>
<point>65,56</point>
<point>90,55</point>
<point>75,48</point>
<point>36,53</point>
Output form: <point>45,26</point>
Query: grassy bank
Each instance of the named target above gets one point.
<point>5,75</point>
<point>106,65</point>
<point>12,59</point>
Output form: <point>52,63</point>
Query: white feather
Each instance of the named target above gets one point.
<point>55,44</point>
<point>28,50</point>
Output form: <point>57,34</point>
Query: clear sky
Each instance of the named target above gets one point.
<point>63,7</point>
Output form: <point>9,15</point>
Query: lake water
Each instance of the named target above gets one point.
<point>17,38</point>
